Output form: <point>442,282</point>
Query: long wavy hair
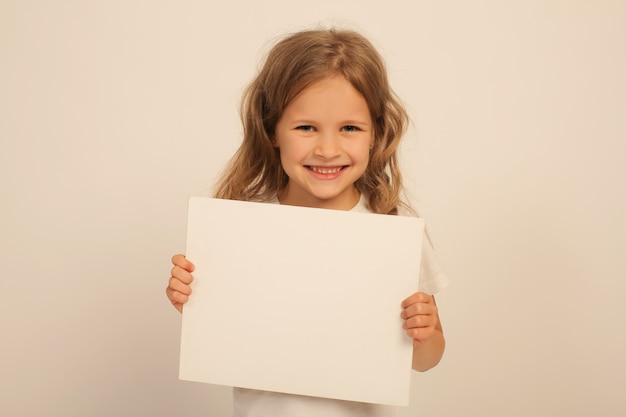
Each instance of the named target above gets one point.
<point>293,64</point>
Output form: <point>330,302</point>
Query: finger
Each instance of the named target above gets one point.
<point>181,261</point>
<point>181,274</point>
<point>421,335</point>
<point>177,285</point>
<point>418,297</point>
<point>419,309</point>
<point>418,322</point>
<point>176,297</point>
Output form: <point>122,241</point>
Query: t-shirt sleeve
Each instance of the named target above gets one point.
<point>432,277</point>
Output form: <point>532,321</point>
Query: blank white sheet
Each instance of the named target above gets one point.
<point>300,300</point>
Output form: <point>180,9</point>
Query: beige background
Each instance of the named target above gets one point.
<point>112,113</point>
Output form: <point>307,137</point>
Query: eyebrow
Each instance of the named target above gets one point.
<point>356,122</point>
<point>342,123</point>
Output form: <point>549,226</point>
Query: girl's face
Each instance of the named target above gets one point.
<point>324,136</point>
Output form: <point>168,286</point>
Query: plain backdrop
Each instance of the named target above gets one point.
<point>113,113</point>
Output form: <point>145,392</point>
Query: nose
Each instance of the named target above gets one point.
<point>328,145</point>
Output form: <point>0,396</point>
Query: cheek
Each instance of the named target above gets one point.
<point>361,153</point>
<point>291,156</point>
<point>290,150</point>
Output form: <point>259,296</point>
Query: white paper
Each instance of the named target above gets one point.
<point>300,300</point>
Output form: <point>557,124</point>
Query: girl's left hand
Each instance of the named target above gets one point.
<point>420,316</point>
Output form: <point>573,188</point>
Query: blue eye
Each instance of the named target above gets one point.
<point>350,128</point>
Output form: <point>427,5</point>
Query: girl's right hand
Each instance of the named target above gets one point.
<point>179,289</point>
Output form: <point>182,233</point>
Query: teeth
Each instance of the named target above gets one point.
<point>322,170</point>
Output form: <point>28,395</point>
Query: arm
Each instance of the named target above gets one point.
<point>178,289</point>
<point>422,324</point>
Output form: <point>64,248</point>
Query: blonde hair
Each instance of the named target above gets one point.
<point>293,64</point>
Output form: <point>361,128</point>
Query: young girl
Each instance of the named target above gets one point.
<point>321,129</point>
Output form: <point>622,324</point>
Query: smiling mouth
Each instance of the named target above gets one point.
<point>325,170</point>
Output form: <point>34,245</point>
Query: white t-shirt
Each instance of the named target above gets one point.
<point>254,403</point>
